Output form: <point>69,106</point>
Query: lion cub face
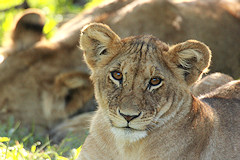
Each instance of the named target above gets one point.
<point>140,82</point>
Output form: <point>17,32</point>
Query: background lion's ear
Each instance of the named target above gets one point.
<point>71,80</point>
<point>27,30</point>
<point>191,58</point>
<point>75,88</point>
<point>99,43</point>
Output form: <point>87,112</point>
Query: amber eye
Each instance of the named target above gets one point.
<point>117,75</point>
<point>155,81</point>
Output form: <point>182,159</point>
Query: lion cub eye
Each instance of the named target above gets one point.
<point>117,75</point>
<point>155,81</point>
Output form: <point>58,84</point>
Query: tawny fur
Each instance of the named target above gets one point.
<point>210,83</point>
<point>168,122</point>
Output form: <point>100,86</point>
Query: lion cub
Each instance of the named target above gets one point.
<point>146,110</point>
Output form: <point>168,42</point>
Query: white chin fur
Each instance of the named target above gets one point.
<point>128,134</point>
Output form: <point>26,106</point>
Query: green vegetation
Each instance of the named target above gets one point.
<point>17,152</point>
<point>18,143</point>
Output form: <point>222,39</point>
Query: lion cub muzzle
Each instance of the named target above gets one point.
<point>128,117</point>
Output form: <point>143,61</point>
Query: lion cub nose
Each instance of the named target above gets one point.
<point>129,117</point>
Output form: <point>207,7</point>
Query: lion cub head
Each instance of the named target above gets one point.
<point>140,82</point>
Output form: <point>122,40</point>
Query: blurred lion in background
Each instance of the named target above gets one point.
<point>42,82</point>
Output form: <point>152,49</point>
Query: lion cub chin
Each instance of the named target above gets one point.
<point>127,134</point>
<point>146,109</point>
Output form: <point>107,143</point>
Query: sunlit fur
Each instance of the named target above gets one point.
<point>168,123</point>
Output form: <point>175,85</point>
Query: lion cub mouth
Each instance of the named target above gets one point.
<point>128,134</point>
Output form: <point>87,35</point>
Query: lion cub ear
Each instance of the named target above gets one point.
<point>191,59</point>
<point>99,44</point>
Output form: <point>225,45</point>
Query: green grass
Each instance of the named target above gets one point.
<point>20,143</point>
<point>18,152</point>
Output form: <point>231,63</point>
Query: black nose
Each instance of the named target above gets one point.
<point>129,117</point>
